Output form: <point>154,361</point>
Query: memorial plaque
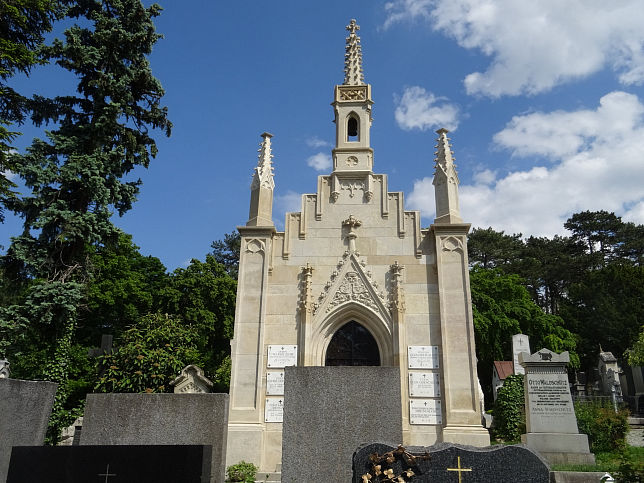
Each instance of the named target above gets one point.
<point>425,411</point>
<point>274,410</point>
<point>275,383</point>
<point>550,404</point>
<point>282,356</point>
<point>422,356</point>
<point>424,384</point>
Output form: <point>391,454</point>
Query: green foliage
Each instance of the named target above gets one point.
<point>509,410</point>
<point>635,353</point>
<point>242,472</point>
<point>226,252</point>
<point>489,248</point>
<point>606,429</point>
<point>150,355</point>
<point>24,23</point>
<point>503,307</point>
<point>123,287</point>
<point>204,295</point>
<point>631,466</point>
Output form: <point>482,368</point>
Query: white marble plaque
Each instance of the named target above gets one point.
<point>275,383</point>
<point>282,355</point>
<point>422,356</point>
<point>425,411</point>
<point>274,410</point>
<point>424,384</point>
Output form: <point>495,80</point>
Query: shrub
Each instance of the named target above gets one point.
<point>242,472</point>
<point>509,409</point>
<point>606,429</point>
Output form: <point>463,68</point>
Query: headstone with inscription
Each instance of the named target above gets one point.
<point>520,343</point>
<point>449,462</point>
<point>329,412</point>
<point>551,425</point>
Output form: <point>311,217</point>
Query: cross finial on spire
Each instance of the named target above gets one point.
<point>263,175</point>
<point>353,75</point>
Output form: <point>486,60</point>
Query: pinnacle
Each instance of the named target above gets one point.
<point>353,74</point>
<point>263,175</point>
<point>444,155</point>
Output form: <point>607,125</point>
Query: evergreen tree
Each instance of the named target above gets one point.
<point>75,176</point>
<point>226,252</point>
<point>22,26</point>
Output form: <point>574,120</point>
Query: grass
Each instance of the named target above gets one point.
<point>608,462</point>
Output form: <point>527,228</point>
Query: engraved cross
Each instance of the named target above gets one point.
<point>107,473</point>
<point>460,470</point>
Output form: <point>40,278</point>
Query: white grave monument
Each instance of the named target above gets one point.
<point>520,343</point>
<point>354,280</point>
<point>192,381</point>
<point>551,424</point>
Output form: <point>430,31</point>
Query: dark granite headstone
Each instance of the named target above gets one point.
<point>24,412</point>
<point>139,419</point>
<point>110,464</point>
<point>329,412</point>
<point>509,464</point>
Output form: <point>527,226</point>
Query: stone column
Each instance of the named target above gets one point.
<point>462,413</point>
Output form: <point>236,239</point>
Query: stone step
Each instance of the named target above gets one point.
<point>268,478</point>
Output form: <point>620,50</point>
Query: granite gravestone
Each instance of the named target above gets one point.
<point>111,464</point>
<point>329,412</point>
<point>159,419</point>
<point>25,407</point>
<point>551,424</point>
<point>449,462</point>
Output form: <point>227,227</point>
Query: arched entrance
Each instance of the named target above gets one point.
<point>352,345</point>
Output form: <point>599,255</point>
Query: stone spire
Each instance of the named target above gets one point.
<point>445,182</point>
<point>261,188</point>
<point>353,75</point>
<point>263,175</point>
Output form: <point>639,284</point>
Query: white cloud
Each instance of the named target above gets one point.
<point>316,142</point>
<point>320,162</point>
<point>535,46</point>
<point>599,165</point>
<point>419,109</point>
<point>288,202</point>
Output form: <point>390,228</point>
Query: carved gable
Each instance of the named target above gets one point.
<point>351,283</point>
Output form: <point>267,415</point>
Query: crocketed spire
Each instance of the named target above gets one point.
<point>353,75</point>
<point>445,182</point>
<point>263,175</point>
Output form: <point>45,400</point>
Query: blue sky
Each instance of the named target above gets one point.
<point>544,101</point>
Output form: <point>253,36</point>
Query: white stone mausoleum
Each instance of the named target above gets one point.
<point>354,280</point>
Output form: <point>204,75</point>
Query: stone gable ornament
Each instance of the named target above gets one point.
<point>192,381</point>
<point>4,369</point>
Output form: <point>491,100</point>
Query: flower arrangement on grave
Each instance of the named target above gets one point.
<point>382,468</point>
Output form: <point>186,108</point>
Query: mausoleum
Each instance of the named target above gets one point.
<point>354,279</point>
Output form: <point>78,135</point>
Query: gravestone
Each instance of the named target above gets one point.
<point>551,424</point>
<point>520,343</point>
<point>191,381</point>
<point>159,419</point>
<point>111,464</point>
<point>329,412</point>
<point>4,369</point>
<point>449,462</point>
<point>25,407</point>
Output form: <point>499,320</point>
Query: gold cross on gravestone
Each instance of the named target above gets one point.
<point>107,473</point>
<point>460,470</point>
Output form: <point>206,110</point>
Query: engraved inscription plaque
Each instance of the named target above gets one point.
<point>424,384</point>
<point>275,383</point>
<point>422,356</point>
<point>282,355</point>
<point>274,410</point>
<point>425,411</point>
<point>550,407</point>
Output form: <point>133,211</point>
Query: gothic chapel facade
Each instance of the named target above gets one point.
<point>354,280</point>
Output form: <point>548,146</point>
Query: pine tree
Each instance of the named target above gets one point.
<point>75,176</point>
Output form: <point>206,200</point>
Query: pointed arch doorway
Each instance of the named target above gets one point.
<point>352,345</point>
